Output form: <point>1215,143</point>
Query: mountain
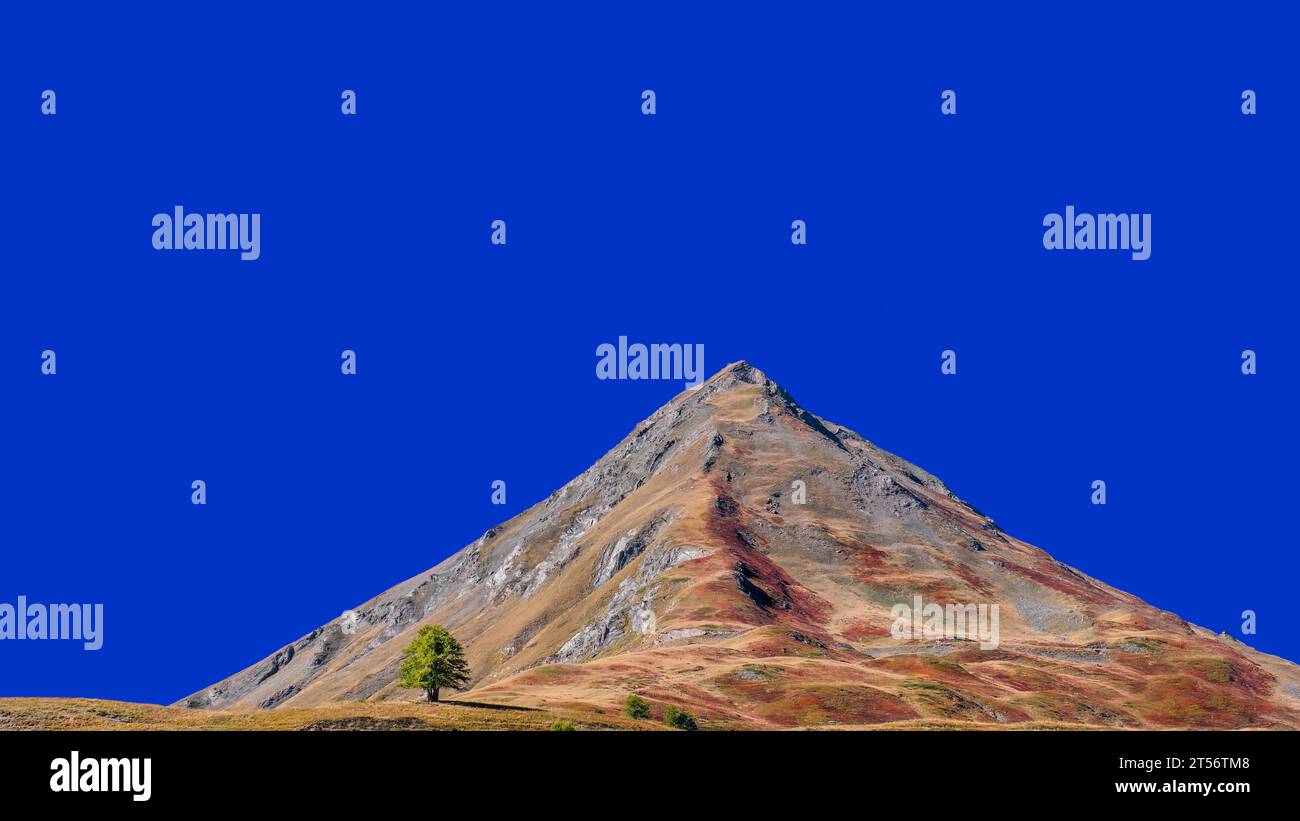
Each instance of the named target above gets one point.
<point>689,567</point>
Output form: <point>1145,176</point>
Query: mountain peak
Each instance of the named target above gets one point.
<point>736,373</point>
<point>743,370</point>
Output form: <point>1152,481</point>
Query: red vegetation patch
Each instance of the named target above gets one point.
<point>872,558</point>
<point>791,704</point>
<point>756,683</point>
<point>948,702</point>
<point>1233,671</point>
<point>1240,671</point>
<point>842,704</point>
<point>722,602</point>
<point>1183,701</point>
<point>552,674</point>
<point>967,575</point>
<point>1070,708</point>
<point>1062,583</point>
<point>763,582</point>
<point>862,630</point>
<point>924,666</point>
<point>974,655</point>
<point>1024,679</point>
<point>932,588</point>
<point>685,694</point>
<point>792,643</point>
<point>621,667</point>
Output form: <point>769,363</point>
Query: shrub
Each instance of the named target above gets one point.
<point>636,707</point>
<point>680,719</point>
<point>563,726</point>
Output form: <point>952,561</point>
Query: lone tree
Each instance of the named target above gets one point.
<point>433,660</point>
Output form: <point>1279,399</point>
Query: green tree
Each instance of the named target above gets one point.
<point>636,707</point>
<point>680,719</point>
<point>433,660</point>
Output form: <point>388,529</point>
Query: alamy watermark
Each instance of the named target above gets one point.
<point>128,775</point>
<point>208,232</point>
<point>1100,232</point>
<point>655,361</point>
<point>53,622</point>
<point>974,622</point>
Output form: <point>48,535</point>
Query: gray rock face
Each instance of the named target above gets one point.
<point>630,610</point>
<point>629,546</point>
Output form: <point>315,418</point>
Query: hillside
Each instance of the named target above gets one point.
<point>682,566</point>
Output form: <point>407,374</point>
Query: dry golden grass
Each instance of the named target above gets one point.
<point>93,714</point>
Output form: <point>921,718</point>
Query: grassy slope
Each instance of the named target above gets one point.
<point>93,714</point>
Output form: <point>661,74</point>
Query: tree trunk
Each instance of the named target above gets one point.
<point>431,693</point>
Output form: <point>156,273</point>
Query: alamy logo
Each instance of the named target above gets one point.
<point>66,622</point>
<point>77,774</point>
<point>974,622</point>
<point>1101,232</point>
<point>656,361</point>
<point>208,232</point>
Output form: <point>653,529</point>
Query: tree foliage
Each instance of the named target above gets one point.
<point>434,659</point>
<point>678,718</point>
<point>636,707</point>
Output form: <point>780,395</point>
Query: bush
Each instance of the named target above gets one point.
<point>563,726</point>
<point>680,719</point>
<point>636,707</point>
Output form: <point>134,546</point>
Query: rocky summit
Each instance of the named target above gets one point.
<point>746,560</point>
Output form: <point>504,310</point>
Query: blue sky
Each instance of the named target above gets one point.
<point>476,362</point>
